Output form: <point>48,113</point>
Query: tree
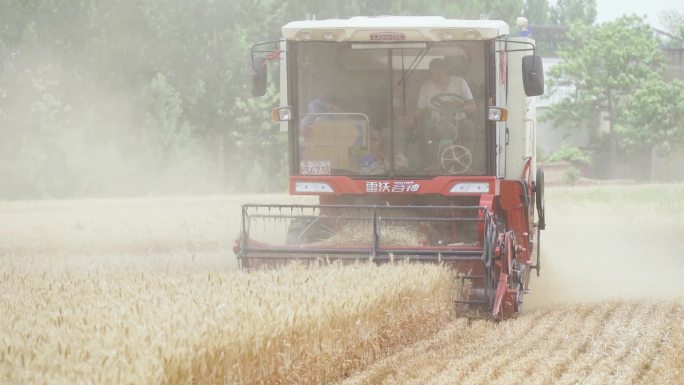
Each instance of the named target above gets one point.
<point>673,21</point>
<point>506,10</point>
<point>537,11</point>
<point>605,65</point>
<point>259,149</point>
<point>146,86</point>
<point>165,131</point>
<point>653,117</point>
<point>568,12</point>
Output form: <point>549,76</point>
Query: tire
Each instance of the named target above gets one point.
<point>539,195</point>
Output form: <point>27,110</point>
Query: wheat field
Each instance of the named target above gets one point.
<point>145,291</point>
<point>278,326</point>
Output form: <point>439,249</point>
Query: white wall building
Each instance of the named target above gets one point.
<point>550,137</point>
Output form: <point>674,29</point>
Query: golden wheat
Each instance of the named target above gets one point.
<point>144,291</point>
<point>293,324</point>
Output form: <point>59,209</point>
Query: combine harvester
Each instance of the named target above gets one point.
<point>417,134</point>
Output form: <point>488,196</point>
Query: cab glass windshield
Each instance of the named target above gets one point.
<point>408,109</point>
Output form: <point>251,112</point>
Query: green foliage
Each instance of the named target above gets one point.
<point>673,21</point>
<point>537,11</point>
<point>136,97</point>
<point>605,65</point>
<point>165,132</point>
<point>255,138</point>
<point>570,12</point>
<point>654,116</point>
<point>571,176</point>
<point>506,10</point>
<point>561,12</point>
<point>617,68</point>
<point>541,154</point>
<point>569,154</point>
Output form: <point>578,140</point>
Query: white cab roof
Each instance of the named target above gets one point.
<point>394,28</point>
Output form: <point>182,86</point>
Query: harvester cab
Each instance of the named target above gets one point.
<point>417,135</point>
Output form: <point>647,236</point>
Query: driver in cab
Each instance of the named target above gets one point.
<point>443,101</point>
<point>458,92</point>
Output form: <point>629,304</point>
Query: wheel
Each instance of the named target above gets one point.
<point>447,123</point>
<point>539,194</point>
<point>441,102</point>
<point>511,299</point>
<point>455,159</point>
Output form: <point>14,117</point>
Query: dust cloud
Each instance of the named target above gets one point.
<point>67,135</point>
<point>87,110</point>
<point>610,247</point>
<point>141,234</point>
<point>601,243</point>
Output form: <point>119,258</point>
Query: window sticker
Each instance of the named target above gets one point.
<point>314,167</point>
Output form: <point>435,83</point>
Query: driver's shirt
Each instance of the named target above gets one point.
<point>457,86</point>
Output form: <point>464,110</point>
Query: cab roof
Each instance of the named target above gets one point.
<point>394,28</point>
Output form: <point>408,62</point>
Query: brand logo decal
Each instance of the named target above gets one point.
<point>388,36</point>
<point>397,186</point>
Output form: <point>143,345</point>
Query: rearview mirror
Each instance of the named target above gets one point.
<point>533,75</point>
<point>259,76</point>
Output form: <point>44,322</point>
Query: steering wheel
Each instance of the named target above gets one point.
<point>455,159</point>
<point>444,102</point>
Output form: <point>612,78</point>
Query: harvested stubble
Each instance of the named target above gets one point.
<point>606,343</point>
<point>289,325</point>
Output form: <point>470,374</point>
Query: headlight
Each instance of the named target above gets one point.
<point>497,114</point>
<point>470,187</point>
<point>313,187</point>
